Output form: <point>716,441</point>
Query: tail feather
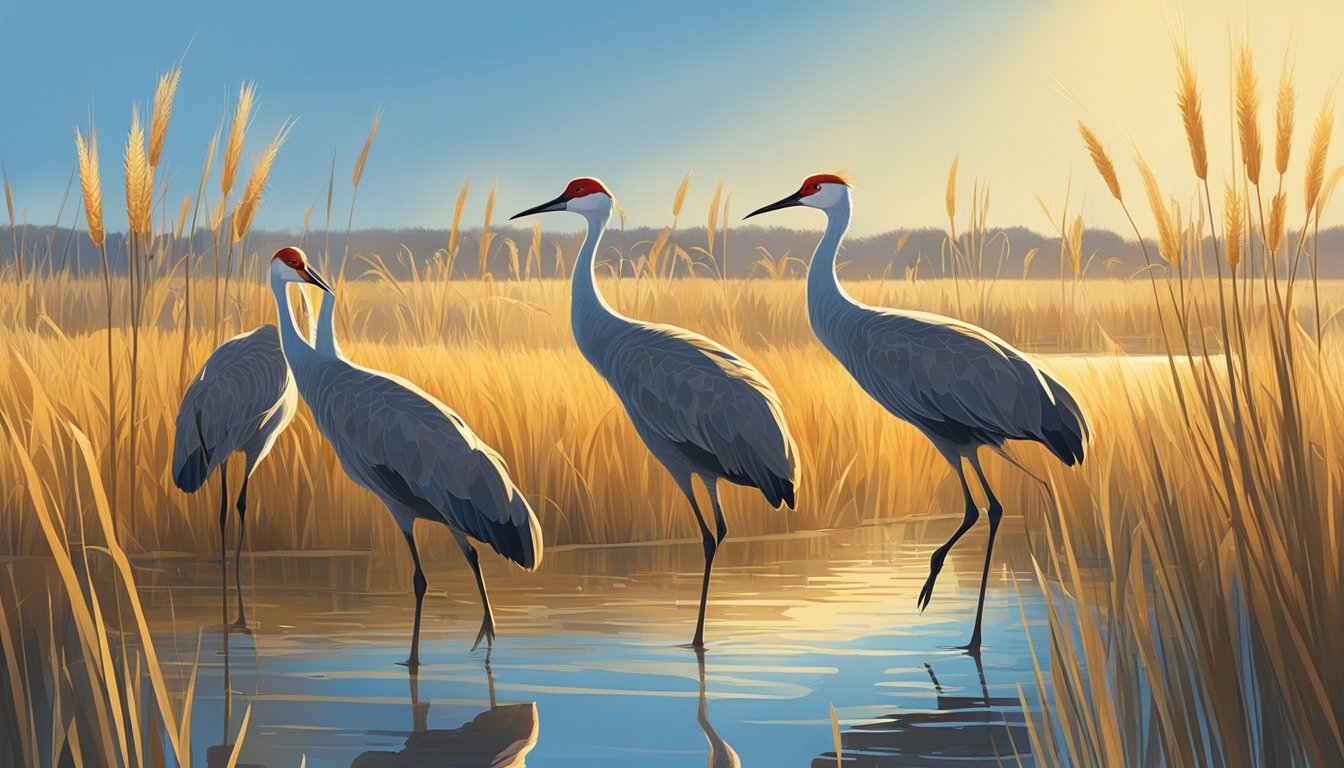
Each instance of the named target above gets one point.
<point>191,472</point>
<point>1065,431</point>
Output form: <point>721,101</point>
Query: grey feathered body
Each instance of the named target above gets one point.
<point>698,407</point>
<point>241,400</point>
<point>414,453</point>
<point>960,385</point>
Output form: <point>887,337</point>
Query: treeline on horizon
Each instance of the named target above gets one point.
<point>746,252</point>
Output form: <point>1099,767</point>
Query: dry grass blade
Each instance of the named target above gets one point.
<point>182,215</point>
<point>91,185</point>
<point>1101,160</point>
<point>1316,154</point>
<point>233,146</point>
<point>163,110</point>
<point>1284,109</point>
<point>139,179</point>
<point>1247,109</point>
<point>368,144</point>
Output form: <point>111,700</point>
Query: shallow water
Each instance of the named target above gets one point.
<point>588,668</point>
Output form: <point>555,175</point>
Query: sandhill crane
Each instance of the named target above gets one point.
<point>699,408</point>
<point>407,448</point>
<point>241,400</point>
<point>960,385</point>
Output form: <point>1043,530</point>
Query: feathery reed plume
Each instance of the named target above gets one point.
<point>1277,210</point>
<point>182,215</point>
<point>9,202</point>
<point>951,195</point>
<point>1168,238</point>
<point>139,179</point>
<point>233,146</point>
<point>163,109</point>
<point>217,216</point>
<point>1101,160</point>
<point>1329,189</point>
<point>487,237</point>
<point>1076,247</point>
<point>1320,147</point>
<point>91,185</point>
<point>457,216</point>
<point>256,183</point>
<point>1232,223</point>
<point>1247,108</point>
<point>1192,111</point>
<point>368,143</point>
<point>1283,122</point>
<point>680,197</point>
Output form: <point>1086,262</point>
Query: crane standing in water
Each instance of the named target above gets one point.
<point>960,385</point>
<point>240,401</point>
<point>699,408</point>
<point>410,450</point>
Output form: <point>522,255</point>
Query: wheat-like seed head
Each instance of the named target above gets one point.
<point>1076,246</point>
<point>1320,147</point>
<point>1232,224</point>
<point>256,184</point>
<point>1329,189</point>
<point>680,197</point>
<point>139,180</point>
<point>217,216</point>
<point>9,201</point>
<point>1101,160</point>
<point>1283,122</point>
<point>91,185</point>
<point>1247,108</point>
<point>163,109</point>
<point>368,143</point>
<point>1192,111</point>
<point>951,196</point>
<point>1168,238</point>
<point>1277,210</point>
<point>233,146</point>
<point>457,216</point>
<point>182,214</point>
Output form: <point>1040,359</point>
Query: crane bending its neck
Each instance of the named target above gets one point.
<point>825,296</point>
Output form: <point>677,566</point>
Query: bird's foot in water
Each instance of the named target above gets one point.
<point>926,594</point>
<point>486,633</point>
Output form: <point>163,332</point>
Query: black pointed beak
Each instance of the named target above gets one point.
<point>558,204</point>
<point>311,275</point>
<point>788,202</point>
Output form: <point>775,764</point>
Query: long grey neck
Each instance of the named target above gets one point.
<point>324,334</point>
<point>826,299</point>
<point>590,316</point>
<point>296,349</point>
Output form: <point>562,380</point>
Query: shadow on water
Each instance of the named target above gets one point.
<point>499,737</point>
<point>974,730</point>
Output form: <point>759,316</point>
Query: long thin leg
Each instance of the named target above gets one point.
<point>995,514</point>
<point>413,661</point>
<point>940,554</point>
<point>238,553</point>
<point>487,630</point>
<point>223,543</point>
<point>710,544</point>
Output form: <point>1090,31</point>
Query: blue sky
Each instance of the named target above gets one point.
<point>757,93</point>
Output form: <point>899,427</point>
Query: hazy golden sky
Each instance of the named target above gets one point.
<point>758,93</point>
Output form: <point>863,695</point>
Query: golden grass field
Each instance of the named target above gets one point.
<point>1193,562</point>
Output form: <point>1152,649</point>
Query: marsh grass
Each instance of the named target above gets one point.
<point>1195,598</point>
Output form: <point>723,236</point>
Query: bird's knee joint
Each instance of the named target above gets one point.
<point>995,512</point>
<point>421,584</point>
